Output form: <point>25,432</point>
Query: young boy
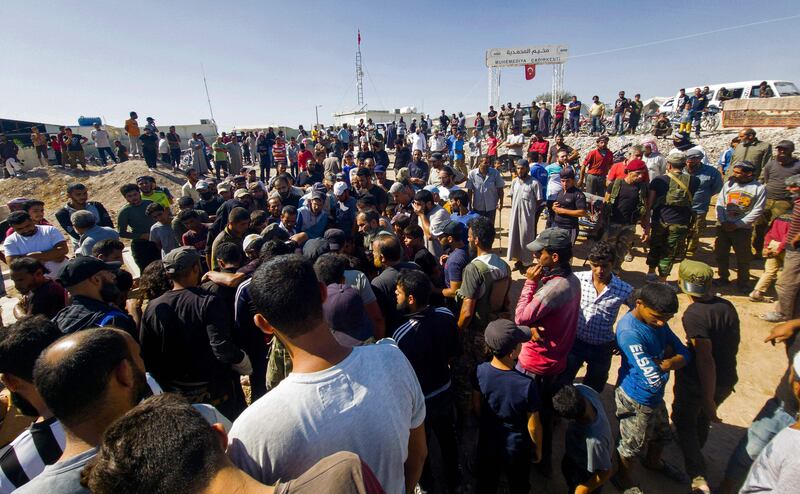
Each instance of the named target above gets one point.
<point>587,460</point>
<point>686,119</point>
<point>161,233</point>
<point>121,150</point>
<point>650,350</point>
<point>773,252</point>
<point>507,404</point>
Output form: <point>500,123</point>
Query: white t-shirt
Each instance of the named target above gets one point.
<point>163,146</point>
<point>100,138</point>
<point>437,217</point>
<point>777,468</point>
<point>366,404</point>
<point>45,238</point>
<point>417,142</point>
<point>515,139</point>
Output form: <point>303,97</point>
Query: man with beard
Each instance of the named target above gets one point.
<point>429,339</point>
<point>403,196</point>
<point>41,242</point>
<point>739,205</point>
<point>77,200</point>
<point>92,285</point>
<point>209,202</point>
<point>526,195</point>
<point>43,442</point>
<point>431,217</point>
<point>363,186</point>
<point>87,380</point>
<point>40,295</point>
<point>186,340</point>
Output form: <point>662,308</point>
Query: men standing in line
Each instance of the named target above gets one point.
<point>739,205</point>
<point>670,200</point>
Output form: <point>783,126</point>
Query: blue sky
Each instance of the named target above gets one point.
<point>272,62</point>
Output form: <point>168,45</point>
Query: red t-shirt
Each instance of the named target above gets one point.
<point>560,109</point>
<point>597,164</point>
<point>303,157</point>
<point>617,171</point>
<point>492,142</point>
<point>540,147</point>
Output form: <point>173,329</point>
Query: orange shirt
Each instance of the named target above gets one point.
<point>132,127</point>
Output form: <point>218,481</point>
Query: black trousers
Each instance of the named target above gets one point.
<point>150,156</point>
<point>440,421</point>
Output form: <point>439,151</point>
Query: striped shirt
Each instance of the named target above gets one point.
<point>25,458</point>
<point>599,310</point>
<point>794,226</point>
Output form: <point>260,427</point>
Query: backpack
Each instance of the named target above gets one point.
<point>678,194</point>
<point>492,304</point>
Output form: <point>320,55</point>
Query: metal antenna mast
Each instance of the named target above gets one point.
<point>208,98</point>
<point>359,75</point>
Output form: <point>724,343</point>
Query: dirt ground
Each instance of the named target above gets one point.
<point>760,365</point>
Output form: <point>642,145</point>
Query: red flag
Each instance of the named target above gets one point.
<point>530,72</point>
<point>359,37</point>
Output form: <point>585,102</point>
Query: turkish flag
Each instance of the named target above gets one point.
<point>530,72</point>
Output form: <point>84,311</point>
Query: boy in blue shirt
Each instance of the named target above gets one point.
<point>507,404</point>
<point>650,350</point>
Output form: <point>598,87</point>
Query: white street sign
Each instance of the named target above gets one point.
<point>514,57</point>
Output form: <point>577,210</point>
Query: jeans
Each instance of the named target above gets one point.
<point>598,362</point>
<point>59,158</point>
<point>619,122</point>
<point>696,122</point>
<point>104,154</point>
<point>692,424</point>
<point>440,421</point>
<point>596,124</point>
<point>574,124</point>
<point>768,423</point>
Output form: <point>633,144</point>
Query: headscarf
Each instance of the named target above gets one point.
<point>652,142</point>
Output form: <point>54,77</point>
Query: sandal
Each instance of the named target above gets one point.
<point>668,470</point>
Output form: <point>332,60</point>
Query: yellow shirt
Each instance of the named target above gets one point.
<point>132,128</point>
<point>314,134</point>
<point>597,109</point>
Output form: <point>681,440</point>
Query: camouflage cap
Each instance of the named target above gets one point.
<point>695,277</point>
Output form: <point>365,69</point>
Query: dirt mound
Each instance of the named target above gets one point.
<point>50,184</point>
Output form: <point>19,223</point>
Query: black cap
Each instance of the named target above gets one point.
<point>785,144</point>
<point>335,238</point>
<point>81,268</point>
<point>315,248</point>
<point>502,336</point>
<point>437,156</point>
<point>453,228</point>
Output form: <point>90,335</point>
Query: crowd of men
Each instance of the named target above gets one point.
<point>283,319</point>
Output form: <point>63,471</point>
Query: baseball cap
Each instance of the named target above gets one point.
<point>344,312</point>
<point>81,268</point>
<point>315,248</point>
<point>432,189</point>
<point>695,277</point>
<point>335,238</point>
<point>502,336</point>
<point>180,259</point>
<point>201,185</point>
<point>318,194</point>
<point>635,166</point>
<point>567,173</point>
<point>248,240</point>
<point>785,144</point>
<point>675,156</point>
<point>380,169</point>
<point>694,153</point>
<point>453,228</point>
<point>224,187</point>
<point>436,156</point>
<point>746,165</point>
<point>551,239</point>
<point>240,193</point>
<point>339,188</point>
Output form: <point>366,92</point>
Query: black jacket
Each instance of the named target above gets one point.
<point>63,217</point>
<point>86,313</point>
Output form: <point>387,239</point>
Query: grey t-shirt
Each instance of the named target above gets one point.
<point>165,235</point>
<point>366,404</point>
<point>590,445</point>
<point>777,468</point>
<point>63,477</point>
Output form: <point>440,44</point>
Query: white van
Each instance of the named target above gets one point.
<point>739,90</point>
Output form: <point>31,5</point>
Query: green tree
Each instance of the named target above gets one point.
<point>547,97</point>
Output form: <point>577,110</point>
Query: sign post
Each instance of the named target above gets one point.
<point>498,58</point>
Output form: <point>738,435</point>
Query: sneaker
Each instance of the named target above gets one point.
<point>772,317</point>
<point>756,296</point>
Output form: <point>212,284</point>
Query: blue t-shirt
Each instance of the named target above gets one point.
<point>639,375</point>
<point>451,145</point>
<point>464,220</point>
<point>346,172</point>
<point>458,149</point>
<point>508,396</point>
<point>574,108</point>
<point>539,173</point>
<point>454,267</point>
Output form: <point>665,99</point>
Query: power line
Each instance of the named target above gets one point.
<point>688,36</point>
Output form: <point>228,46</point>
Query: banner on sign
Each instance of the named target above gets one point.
<point>515,57</point>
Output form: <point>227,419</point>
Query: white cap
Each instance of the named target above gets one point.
<point>249,240</point>
<point>339,188</point>
<point>432,188</point>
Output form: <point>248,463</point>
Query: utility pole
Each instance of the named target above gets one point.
<point>316,112</point>
<point>208,98</point>
<point>359,75</point>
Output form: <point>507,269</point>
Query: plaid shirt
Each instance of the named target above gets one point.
<point>599,311</point>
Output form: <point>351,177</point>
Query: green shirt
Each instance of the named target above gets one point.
<point>136,218</point>
<point>220,151</point>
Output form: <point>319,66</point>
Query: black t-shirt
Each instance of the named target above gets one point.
<point>492,115</point>
<point>715,319</point>
<point>573,199</point>
<point>626,208</point>
<point>74,143</point>
<point>211,205</point>
<point>380,195</point>
<point>381,158</point>
<point>384,287</point>
<point>784,390</point>
<point>149,141</point>
<point>672,215</point>
<point>401,158</point>
<point>362,155</point>
<point>426,261</point>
